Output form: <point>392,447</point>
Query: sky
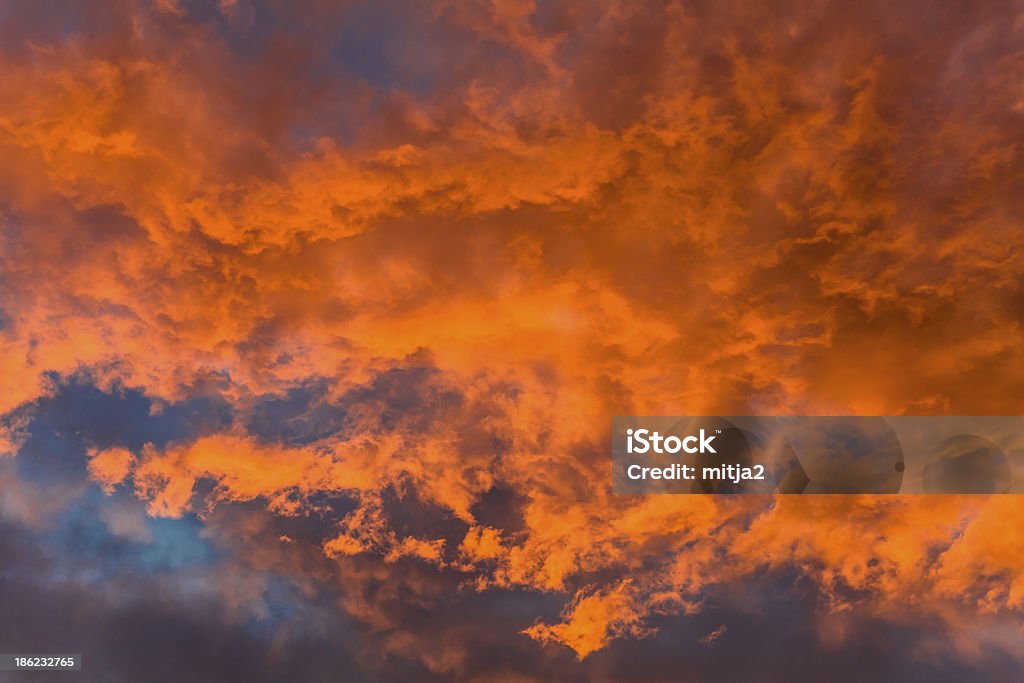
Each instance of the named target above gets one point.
<point>314,316</point>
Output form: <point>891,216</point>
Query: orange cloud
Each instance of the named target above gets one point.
<point>110,467</point>
<point>673,210</point>
<point>593,619</point>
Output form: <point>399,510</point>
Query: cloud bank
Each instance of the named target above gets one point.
<point>313,318</point>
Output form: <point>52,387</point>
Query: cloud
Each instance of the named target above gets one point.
<point>711,637</point>
<point>381,296</point>
<point>110,467</point>
<point>593,619</point>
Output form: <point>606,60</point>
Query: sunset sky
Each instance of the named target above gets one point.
<point>314,317</point>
